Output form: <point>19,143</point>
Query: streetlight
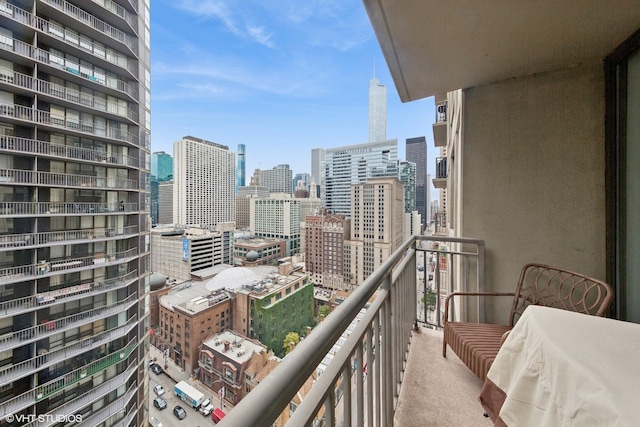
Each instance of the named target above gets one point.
<point>220,392</point>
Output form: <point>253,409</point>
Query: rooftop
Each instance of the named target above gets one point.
<point>236,347</point>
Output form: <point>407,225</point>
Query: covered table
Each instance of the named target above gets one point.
<point>560,368</point>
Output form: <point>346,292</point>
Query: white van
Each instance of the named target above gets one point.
<point>206,408</point>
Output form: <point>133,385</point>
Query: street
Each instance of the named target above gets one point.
<point>168,380</point>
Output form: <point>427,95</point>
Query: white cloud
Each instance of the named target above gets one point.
<point>259,35</point>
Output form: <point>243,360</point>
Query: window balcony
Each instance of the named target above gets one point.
<point>30,147</point>
<point>31,209</point>
<point>55,386</point>
<point>105,83</point>
<point>52,327</point>
<point>382,342</point>
<point>440,181</point>
<point>440,125</point>
<point>10,373</point>
<point>62,266</point>
<point>66,294</point>
<point>25,400</point>
<point>52,180</point>
<point>22,114</point>
<point>113,408</point>
<point>69,10</point>
<point>111,8</point>
<point>75,40</point>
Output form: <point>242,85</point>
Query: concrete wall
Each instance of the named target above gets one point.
<point>533,177</point>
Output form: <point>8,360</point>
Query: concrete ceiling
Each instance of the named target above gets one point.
<point>432,47</point>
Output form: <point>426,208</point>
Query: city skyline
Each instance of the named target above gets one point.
<point>282,80</point>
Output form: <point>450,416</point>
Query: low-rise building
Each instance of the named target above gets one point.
<point>250,251</point>
<point>189,314</point>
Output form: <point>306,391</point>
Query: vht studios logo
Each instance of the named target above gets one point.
<point>29,418</point>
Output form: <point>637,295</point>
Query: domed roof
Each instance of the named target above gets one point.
<point>252,255</point>
<point>233,278</point>
<point>157,281</point>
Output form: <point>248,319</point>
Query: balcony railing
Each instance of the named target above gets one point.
<point>61,208</point>
<point>119,405</point>
<point>95,23</point>
<point>46,118</point>
<point>8,374</point>
<point>72,38</point>
<point>69,293</point>
<point>62,266</point>
<point>73,377</point>
<point>68,94</point>
<point>378,344</point>
<point>441,112</point>
<point>40,55</point>
<point>83,400</point>
<point>52,179</point>
<point>34,146</point>
<point>441,167</point>
<point>19,338</point>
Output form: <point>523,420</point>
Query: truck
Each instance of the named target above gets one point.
<point>189,394</point>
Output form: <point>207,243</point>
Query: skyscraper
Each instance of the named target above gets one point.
<point>377,111</point>
<point>317,168</point>
<point>416,151</point>
<point>240,173</point>
<point>278,179</point>
<point>161,171</point>
<point>377,228</point>
<point>354,164</point>
<point>204,182</point>
<point>75,145</point>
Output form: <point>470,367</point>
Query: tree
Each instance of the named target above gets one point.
<point>324,311</point>
<point>290,338</point>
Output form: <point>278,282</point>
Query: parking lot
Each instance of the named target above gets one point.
<point>166,416</point>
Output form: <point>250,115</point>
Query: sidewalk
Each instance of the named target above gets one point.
<point>177,374</point>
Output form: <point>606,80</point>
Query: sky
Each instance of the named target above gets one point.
<point>280,76</point>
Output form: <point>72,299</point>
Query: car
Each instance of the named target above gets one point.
<point>160,403</point>
<point>155,422</point>
<point>179,412</point>
<point>158,389</point>
<point>156,369</point>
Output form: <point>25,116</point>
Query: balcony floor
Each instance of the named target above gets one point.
<point>438,391</point>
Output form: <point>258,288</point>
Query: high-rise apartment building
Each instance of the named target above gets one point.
<point>278,179</point>
<point>377,111</point>
<point>317,169</point>
<point>325,236</point>
<point>407,175</point>
<point>277,217</point>
<point>377,228</point>
<point>416,151</point>
<point>161,171</point>
<point>74,167</point>
<point>241,170</point>
<point>355,164</point>
<point>165,202</point>
<point>204,182</point>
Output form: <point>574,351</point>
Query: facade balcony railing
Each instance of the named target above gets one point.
<point>79,402</point>
<point>66,294</point>
<point>441,112</point>
<point>126,420</point>
<point>10,373</point>
<point>95,23</point>
<point>71,95</point>
<point>113,408</point>
<point>34,146</point>
<point>26,50</point>
<point>45,390</point>
<point>63,266</point>
<point>52,179</point>
<point>378,344</point>
<point>119,11</point>
<point>63,208</point>
<point>70,38</point>
<point>50,327</point>
<point>74,124</point>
